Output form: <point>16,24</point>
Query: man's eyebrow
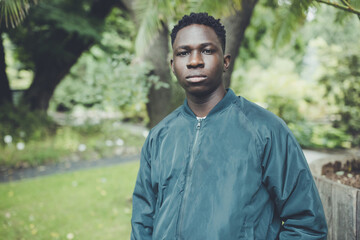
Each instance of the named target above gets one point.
<point>183,47</point>
<point>207,44</point>
<point>201,45</point>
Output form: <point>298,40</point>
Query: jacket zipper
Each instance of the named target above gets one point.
<point>187,179</point>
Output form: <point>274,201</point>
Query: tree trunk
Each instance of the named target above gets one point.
<point>159,99</point>
<point>235,26</point>
<point>47,77</point>
<point>50,69</point>
<point>5,91</point>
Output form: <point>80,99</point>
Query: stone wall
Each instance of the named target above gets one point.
<point>341,203</point>
<point>342,209</point>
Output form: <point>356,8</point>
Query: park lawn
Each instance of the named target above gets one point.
<point>90,204</point>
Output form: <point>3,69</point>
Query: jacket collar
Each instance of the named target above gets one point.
<point>224,103</point>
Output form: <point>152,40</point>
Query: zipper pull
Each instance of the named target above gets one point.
<point>198,124</point>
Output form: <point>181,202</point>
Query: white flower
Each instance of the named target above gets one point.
<point>119,142</point>
<point>20,146</point>
<point>81,147</point>
<point>145,133</point>
<point>127,210</point>
<point>109,143</point>
<point>8,139</point>
<point>70,236</point>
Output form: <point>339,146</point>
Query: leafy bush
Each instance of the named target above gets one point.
<point>22,125</point>
<point>284,107</point>
<point>341,79</point>
<point>329,137</point>
<point>85,142</point>
<point>303,132</point>
<point>316,135</point>
<point>108,76</point>
<point>105,82</point>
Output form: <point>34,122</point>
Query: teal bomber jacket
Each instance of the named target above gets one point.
<point>237,174</point>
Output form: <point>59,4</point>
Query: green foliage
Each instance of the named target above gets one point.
<point>335,68</point>
<point>109,76</point>
<point>217,8</point>
<point>23,125</point>
<point>50,26</point>
<point>19,78</point>
<point>327,26</point>
<point>303,132</point>
<point>284,107</point>
<point>14,11</point>
<point>86,142</point>
<point>259,39</point>
<point>257,33</point>
<point>107,82</point>
<point>119,33</point>
<point>315,135</point>
<point>91,204</point>
<point>330,137</point>
<point>290,17</point>
<point>292,14</point>
<point>341,81</point>
<point>35,153</point>
<point>64,16</point>
<point>154,15</point>
<point>285,80</point>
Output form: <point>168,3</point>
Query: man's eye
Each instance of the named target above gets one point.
<point>182,53</point>
<point>207,51</point>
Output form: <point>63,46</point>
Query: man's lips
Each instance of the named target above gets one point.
<point>196,78</point>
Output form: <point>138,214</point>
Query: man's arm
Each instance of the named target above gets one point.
<point>292,188</point>
<point>144,199</point>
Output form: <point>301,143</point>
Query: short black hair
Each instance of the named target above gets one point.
<point>204,19</point>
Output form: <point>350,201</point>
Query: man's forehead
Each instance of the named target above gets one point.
<point>196,34</point>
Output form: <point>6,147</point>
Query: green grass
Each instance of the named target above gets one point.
<point>91,204</point>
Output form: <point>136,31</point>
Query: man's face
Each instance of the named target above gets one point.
<point>198,60</point>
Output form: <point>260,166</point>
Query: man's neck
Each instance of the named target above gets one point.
<point>201,106</point>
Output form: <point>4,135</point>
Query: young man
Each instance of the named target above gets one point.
<point>219,166</point>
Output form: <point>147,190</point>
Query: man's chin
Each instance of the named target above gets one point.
<point>198,91</point>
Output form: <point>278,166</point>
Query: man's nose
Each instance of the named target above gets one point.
<point>195,60</point>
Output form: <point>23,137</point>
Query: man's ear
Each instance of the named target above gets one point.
<point>227,59</point>
<point>172,65</point>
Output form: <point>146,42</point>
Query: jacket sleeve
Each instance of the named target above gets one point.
<point>291,186</point>
<point>144,199</point>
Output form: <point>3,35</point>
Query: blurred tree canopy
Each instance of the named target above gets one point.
<point>320,49</point>
<point>52,38</point>
<point>14,11</point>
<point>342,83</point>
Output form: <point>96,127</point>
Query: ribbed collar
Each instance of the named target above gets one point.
<point>224,103</point>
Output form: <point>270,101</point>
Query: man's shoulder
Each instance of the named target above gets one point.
<point>258,115</point>
<point>265,124</point>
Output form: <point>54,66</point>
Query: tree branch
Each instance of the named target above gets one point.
<point>346,3</point>
<point>347,8</point>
